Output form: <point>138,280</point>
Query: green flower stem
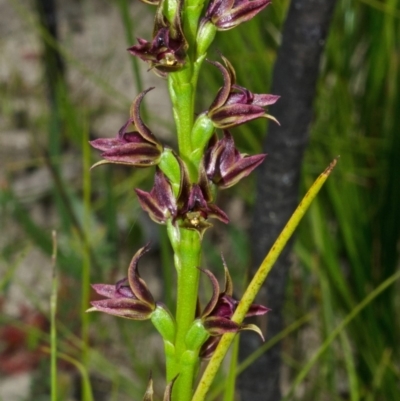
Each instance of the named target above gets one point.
<point>186,243</point>
<point>181,93</point>
<point>187,248</point>
<point>257,282</point>
<point>191,14</point>
<point>182,84</point>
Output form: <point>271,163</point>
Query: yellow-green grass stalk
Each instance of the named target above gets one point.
<point>257,282</point>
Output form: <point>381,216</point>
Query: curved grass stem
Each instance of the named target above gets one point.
<point>257,282</point>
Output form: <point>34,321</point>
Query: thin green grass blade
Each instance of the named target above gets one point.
<point>86,257</point>
<point>257,281</point>
<point>350,367</point>
<point>379,373</point>
<point>365,302</point>
<point>86,385</point>
<point>53,325</point>
<point>327,310</point>
<point>8,275</point>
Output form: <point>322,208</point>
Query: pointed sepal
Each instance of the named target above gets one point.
<point>227,14</point>
<point>216,316</point>
<point>225,165</point>
<point>234,105</point>
<point>139,148</point>
<point>160,202</point>
<point>129,298</point>
<point>123,307</point>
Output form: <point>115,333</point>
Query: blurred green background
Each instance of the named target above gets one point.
<point>346,247</point>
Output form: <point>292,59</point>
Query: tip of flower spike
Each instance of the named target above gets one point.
<point>92,309</point>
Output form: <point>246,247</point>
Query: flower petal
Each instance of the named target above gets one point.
<point>223,93</point>
<point>215,293</point>
<point>217,326</point>
<point>265,100</point>
<point>123,307</point>
<point>257,310</point>
<point>105,144</point>
<point>239,170</point>
<point>208,348</point>
<point>105,290</point>
<point>140,126</point>
<point>233,115</point>
<point>137,284</point>
<point>135,154</point>
<point>244,11</point>
<point>217,213</point>
<point>160,202</point>
<point>228,279</point>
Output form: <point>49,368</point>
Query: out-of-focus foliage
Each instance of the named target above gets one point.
<point>347,245</point>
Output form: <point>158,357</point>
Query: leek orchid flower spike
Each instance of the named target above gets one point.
<point>216,316</point>
<point>167,51</point>
<point>235,105</point>
<point>223,163</point>
<point>129,298</point>
<point>227,14</point>
<point>139,148</point>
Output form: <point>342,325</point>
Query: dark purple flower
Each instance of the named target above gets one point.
<point>196,211</point>
<point>225,165</point>
<point>217,314</point>
<point>235,105</point>
<point>192,207</point>
<point>138,148</point>
<point>195,205</point>
<point>227,14</point>
<point>129,298</point>
<point>160,202</point>
<point>167,51</point>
